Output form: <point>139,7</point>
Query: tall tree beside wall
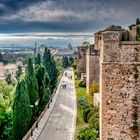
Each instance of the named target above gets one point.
<point>32,88</point>
<point>51,69</point>
<point>38,59</point>
<point>43,93</point>
<point>21,111</point>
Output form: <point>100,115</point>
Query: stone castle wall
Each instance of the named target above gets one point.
<point>81,66</point>
<point>92,67</point>
<point>120,89</point>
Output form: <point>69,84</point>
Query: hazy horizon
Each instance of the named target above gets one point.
<point>49,39</point>
<point>23,22</point>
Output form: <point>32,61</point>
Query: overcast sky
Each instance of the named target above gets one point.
<point>64,17</point>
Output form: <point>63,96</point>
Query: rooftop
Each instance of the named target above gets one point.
<point>112,28</point>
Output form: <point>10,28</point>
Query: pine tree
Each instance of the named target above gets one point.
<point>38,59</point>
<point>32,88</point>
<point>51,69</point>
<point>21,111</point>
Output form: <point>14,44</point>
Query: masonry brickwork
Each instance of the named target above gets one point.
<point>81,66</point>
<point>92,66</point>
<point>119,88</point>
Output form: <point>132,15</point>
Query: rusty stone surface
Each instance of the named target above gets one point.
<point>120,89</point>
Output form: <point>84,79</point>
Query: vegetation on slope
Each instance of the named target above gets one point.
<point>19,109</point>
<point>87,122</point>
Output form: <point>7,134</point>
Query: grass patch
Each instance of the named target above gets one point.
<point>80,91</point>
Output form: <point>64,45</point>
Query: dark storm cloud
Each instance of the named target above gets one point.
<point>65,15</point>
<point>14,5</point>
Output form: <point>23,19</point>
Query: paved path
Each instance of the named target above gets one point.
<point>60,124</point>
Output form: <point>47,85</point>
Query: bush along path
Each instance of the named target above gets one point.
<point>87,122</point>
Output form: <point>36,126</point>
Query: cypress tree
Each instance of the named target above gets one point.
<point>50,66</point>
<point>127,36</point>
<point>38,59</point>
<point>1,57</point>
<point>71,60</point>
<point>137,21</point>
<point>32,88</point>
<point>43,94</point>
<point>138,34</point>
<point>65,62</point>
<point>53,74</point>
<point>47,87</point>
<point>21,111</point>
<point>18,72</point>
<point>8,78</point>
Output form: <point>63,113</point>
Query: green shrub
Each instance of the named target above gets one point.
<point>6,124</point>
<point>87,108</point>
<point>94,123</point>
<point>87,134</point>
<point>94,111</point>
<point>84,102</point>
<point>82,84</point>
<point>86,111</point>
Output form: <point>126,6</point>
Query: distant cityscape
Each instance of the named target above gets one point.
<point>16,56</point>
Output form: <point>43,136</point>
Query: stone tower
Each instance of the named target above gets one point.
<point>81,66</point>
<point>92,66</point>
<point>119,88</point>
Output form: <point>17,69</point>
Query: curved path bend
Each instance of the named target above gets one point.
<point>60,121</point>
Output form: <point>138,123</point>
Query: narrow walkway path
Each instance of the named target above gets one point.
<point>61,122</point>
